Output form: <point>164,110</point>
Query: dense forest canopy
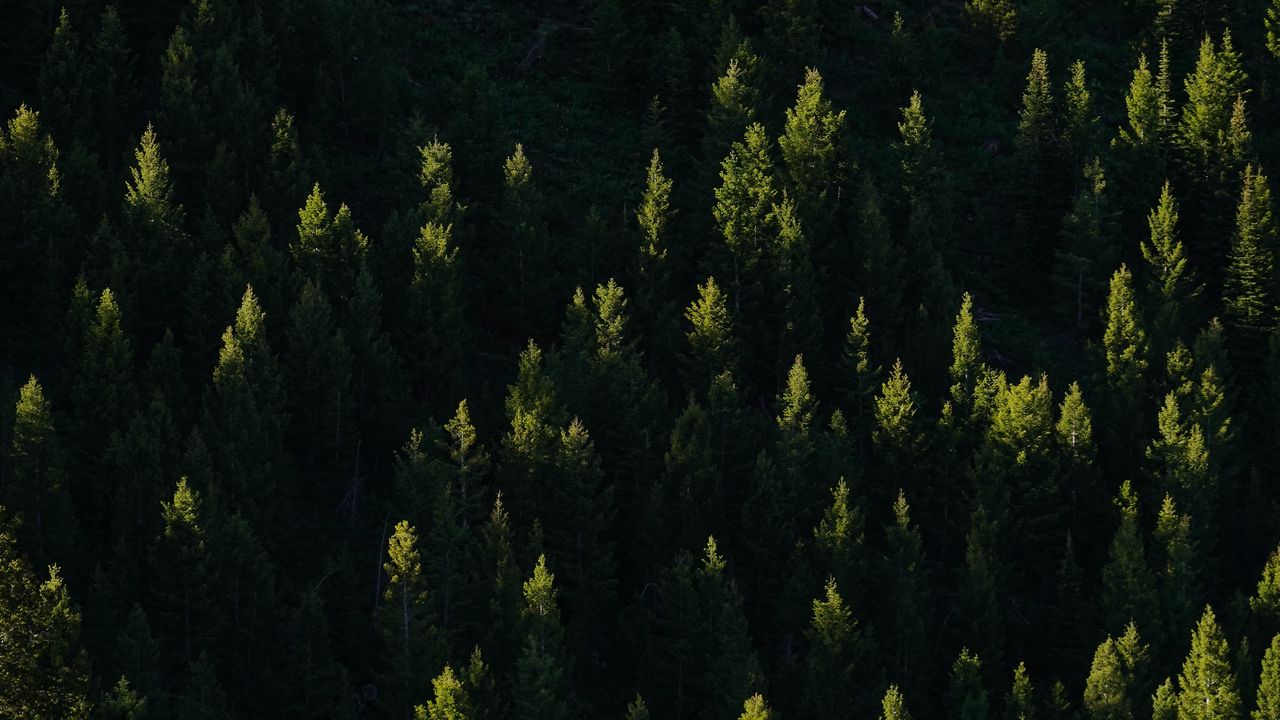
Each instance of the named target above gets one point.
<point>702,359</point>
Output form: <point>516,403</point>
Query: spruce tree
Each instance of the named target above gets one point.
<point>43,670</point>
<point>744,200</point>
<point>541,675</point>
<point>812,150</point>
<point>836,657</point>
<point>1170,284</point>
<point>894,707</point>
<point>1207,684</point>
<point>1126,348</point>
<point>967,698</point>
<point>450,700</point>
<point>38,490</point>
<point>403,621</point>
<point>1268,703</point>
<point>1020,705</point>
<point>712,348</point>
<point>1129,587</point>
<point>905,604</point>
<point>655,267</point>
<point>755,708</point>
<point>156,246</point>
<point>918,161</point>
<point>1249,291</point>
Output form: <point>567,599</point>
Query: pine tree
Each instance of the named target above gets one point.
<point>1212,89</point>
<point>894,706</point>
<point>744,200</point>
<point>896,434</point>
<point>437,326</point>
<point>1207,683</point>
<point>1126,348</point>
<point>1080,126</point>
<point>541,676</point>
<point>711,339</point>
<point>1170,284</point>
<point>1089,247</point>
<point>1249,302</point>
<point>1164,703</point>
<point>1039,180</point>
<point>579,519</point>
<point>328,249</point>
<point>1020,704</point>
<point>1116,676</point>
<point>36,218</point>
<point>966,360</point>
<point>836,657</point>
<point>812,149</point>
<point>862,376</point>
<point>1264,605</point>
<point>906,600</point>
<point>755,708</point>
<point>1129,588</point>
<point>921,168</point>
<point>38,489</point>
<point>529,445</point>
<point>801,326</point>
<point>1269,684</point>
<point>967,696</point>
<point>734,97</point>
<point>450,699</point>
<point>655,267</point>
<point>637,710</point>
<point>839,537</point>
<point>1180,568</point>
<point>158,247</point>
<point>1146,133</point>
<point>403,619</point>
<point>245,420</point>
<point>181,559</point>
<point>525,238</point>
<point>43,670</point>
<point>1074,432</point>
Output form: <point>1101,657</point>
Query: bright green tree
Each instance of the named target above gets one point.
<point>541,687</point>
<point>44,673</point>
<point>812,149</point>
<point>403,620</point>
<point>1207,686</point>
<point>1249,291</point>
<point>450,700</point>
<point>967,698</point>
<point>837,655</point>
<point>1170,283</point>
<point>744,200</point>
<point>894,706</point>
<point>1268,707</point>
<point>712,348</point>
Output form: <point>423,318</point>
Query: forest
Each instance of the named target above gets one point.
<point>689,359</point>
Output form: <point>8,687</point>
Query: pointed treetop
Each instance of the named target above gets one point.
<point>150,192</point>
<point>894,706</point>
<point>755,708</point>
<point>798,404</point>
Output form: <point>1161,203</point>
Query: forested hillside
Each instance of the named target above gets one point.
<point>694,359</point>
